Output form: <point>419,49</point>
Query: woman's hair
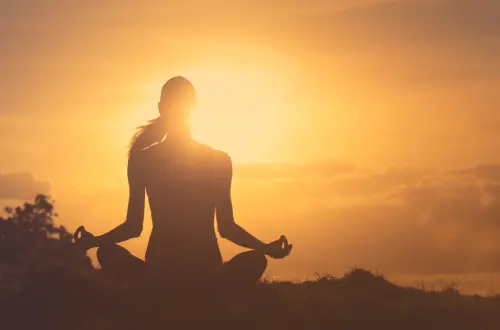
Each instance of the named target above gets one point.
<point>155,130</point>
<point>146,135</point>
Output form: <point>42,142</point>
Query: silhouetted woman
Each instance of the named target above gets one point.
<point>188,184</point>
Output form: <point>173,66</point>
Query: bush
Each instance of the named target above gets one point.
<point>30,240</point>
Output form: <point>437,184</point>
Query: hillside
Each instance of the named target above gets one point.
<point>59,299</point>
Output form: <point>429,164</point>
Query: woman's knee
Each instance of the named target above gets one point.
<point>246,268</point>
<point>251,263</point>
<point>259,260</point>
<point>107,253</point>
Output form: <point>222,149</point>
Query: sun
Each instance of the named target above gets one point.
<point>238,112</point>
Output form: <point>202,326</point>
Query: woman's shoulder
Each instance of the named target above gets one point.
<point>142,156</point>
<point>213,154</point>
<point>218,158</point>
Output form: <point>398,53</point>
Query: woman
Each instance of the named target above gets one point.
<point>187,184</point>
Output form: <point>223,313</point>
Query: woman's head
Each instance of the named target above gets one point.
<point>178,98</point>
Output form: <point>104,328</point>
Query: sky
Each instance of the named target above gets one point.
<point>367,131</point>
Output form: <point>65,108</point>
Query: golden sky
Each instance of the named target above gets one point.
<point>376,120</point>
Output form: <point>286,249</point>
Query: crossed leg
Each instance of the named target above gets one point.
<point>118,263</point>
<point>243,270</point>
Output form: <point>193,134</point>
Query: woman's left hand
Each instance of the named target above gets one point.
<point>278,249</point>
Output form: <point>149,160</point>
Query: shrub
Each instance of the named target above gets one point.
<point>29,239</point>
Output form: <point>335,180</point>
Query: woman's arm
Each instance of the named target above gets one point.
<point>230,230</point>
<point>132,227</point>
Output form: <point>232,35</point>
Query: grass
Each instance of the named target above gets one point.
<point>59,299</point>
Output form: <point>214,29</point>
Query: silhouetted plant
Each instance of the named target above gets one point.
<point>29,238</point>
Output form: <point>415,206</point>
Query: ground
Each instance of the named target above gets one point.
<point>59,299</point>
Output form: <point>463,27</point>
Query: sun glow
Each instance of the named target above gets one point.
<point>238,112</point>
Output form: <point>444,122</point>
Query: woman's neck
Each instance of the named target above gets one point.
<point>178,136</point>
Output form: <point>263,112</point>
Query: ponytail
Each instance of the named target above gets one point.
<point>152,132</point>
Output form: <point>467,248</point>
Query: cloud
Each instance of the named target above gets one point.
<point>422,21</point>
<point>420,222</point>
<point>427,42</point>
<point>444,226</point>
<point>376,183</point>
<point>21,186</point>
<point>292,171</point>
<point>489,172</point>
<point>328,178</point>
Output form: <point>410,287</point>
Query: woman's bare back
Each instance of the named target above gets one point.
<point>182,183</point>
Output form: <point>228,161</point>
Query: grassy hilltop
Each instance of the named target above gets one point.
<point>358,300</point>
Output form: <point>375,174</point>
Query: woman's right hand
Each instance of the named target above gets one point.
<point>278,249</point>
<point>84,239</point>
